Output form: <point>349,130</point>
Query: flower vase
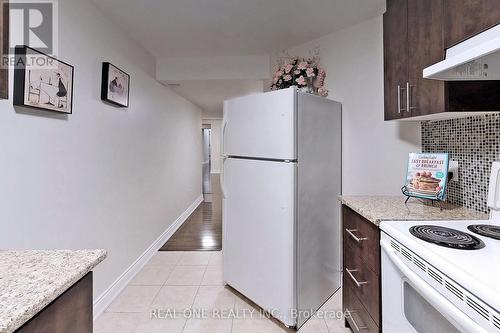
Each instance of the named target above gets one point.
<point>309,88</point>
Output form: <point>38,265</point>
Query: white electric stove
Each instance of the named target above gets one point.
<point>443,276</point>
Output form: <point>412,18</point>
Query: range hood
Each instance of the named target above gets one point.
<point>477,58</point>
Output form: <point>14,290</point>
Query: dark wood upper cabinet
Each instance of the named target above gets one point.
<point>395,58</point>
<point>466,18</point>
<point>416,35</point>
<point>413,40</point>
<point>425,39</point>
<point>4,48</point>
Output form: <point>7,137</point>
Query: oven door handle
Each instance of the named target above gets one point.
<point>441,304</point>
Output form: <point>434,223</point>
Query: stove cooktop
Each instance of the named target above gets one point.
<point>486,230</point>
<point>474,270</point>
<point>447,237</point>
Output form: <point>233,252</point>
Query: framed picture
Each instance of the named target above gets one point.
<point>115,85</point>
<point>42,82</point>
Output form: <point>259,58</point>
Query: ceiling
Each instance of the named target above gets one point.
<point>209,95</point>
<point>176,28</point>
<point>209,28</point>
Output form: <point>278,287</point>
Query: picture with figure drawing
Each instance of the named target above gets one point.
<point>115,85</point>
<point>42,82</point>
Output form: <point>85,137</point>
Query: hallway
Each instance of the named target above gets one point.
<point>202,231</point>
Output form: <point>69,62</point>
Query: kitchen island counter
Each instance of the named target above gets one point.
<point>31,279</point>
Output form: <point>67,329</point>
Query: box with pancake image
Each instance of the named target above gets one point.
<point>427,175</point>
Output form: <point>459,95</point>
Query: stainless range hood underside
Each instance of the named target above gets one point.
<point>477,58</point>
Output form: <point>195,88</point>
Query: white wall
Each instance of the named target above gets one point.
<point>374,151</point>
<point>215,125</point>
<point>103,177</point>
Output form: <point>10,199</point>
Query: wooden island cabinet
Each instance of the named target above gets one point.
<point>70,312</point>
<point>48,291</point>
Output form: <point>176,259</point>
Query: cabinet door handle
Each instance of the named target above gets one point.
<point>408,97</point>
<point>408,105</point>
<point>356,238</point>
<point>401,109</point>
<point>399,98</point>
<point>358,283</point>
<point>356,326</point>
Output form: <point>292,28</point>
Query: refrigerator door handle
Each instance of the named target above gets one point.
<point>222,184</point>
<point>223,157</point>
<point>223,136</point>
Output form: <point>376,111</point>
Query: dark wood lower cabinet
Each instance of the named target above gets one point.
<point>361,277</point>
<point>363,282</point>
<point>70,312</point>
<point>357,318</point>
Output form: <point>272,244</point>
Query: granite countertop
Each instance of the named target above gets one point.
<point>393,208</point>
<point>31,279</point>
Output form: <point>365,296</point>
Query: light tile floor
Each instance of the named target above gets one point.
<point>193,280</point>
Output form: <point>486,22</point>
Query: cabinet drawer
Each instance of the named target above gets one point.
<point>361,238</point>
<point>364,283</point>
<point>356,316</point>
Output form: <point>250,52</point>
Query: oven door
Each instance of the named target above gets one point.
<point>410,304</point>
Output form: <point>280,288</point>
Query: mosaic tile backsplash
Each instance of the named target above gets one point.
<point>475,143</point>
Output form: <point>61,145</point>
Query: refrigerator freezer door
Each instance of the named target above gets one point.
<point>259,233</point>
<point>261,125</point>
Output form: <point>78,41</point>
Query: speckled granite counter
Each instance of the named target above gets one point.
<point>386,208</point>
<point>31,279</point>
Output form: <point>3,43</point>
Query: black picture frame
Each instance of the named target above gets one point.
<point>58,96</point>
<point>106,94</point>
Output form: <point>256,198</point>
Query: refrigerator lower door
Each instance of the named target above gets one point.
<point>258,245</point>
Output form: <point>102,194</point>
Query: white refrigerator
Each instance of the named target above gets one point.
<point>281,178</point>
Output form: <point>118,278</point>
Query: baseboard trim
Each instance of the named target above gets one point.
<point>105,299</point>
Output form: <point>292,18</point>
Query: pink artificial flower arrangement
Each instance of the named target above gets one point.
<point>304,73</point>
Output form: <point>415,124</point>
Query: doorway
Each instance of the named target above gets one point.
<point>207,157</point>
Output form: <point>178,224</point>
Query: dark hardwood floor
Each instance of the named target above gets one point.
<point>202,231</point>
